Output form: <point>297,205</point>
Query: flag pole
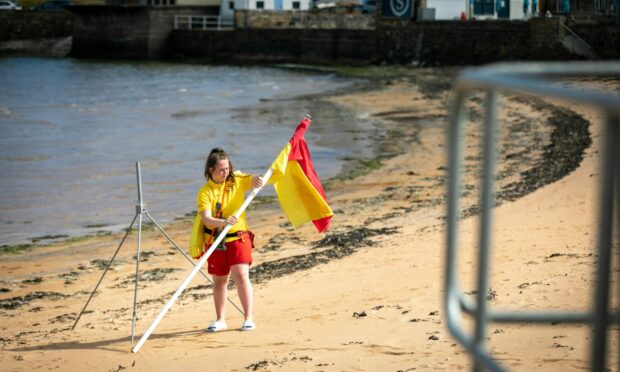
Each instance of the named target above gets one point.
<point>199,265</point>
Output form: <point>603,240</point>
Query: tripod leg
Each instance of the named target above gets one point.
<point>105,271</point>
<point>135,287</point>
<point>187,257</point>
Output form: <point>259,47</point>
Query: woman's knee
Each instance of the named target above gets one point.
<point>220,280</point>
<point>240,272</point>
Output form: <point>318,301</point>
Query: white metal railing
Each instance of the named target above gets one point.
<point>533,79</point>
<point>203,22</point>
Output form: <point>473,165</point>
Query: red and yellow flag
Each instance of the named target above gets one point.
<point>297,185</point>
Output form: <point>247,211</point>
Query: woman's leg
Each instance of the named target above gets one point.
<point>241,276</point>
<point>220,289</point>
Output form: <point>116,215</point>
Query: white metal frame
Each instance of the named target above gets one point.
<point>529,79</point>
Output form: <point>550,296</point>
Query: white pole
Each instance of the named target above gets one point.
<point>199,265</point>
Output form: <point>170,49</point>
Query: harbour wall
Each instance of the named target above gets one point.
<point>140,32</point>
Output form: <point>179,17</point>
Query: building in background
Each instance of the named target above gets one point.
<point>227,7</point>
<point>514,9</point>
<point>447,9</point>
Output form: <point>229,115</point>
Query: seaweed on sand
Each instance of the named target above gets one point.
<point>19,301</point>
<point>342,245</point>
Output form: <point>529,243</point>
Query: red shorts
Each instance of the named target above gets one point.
<point>237,252</point>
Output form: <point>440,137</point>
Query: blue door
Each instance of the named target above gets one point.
<point>278,5</point>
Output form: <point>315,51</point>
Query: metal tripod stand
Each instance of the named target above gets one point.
<point>140,210</point>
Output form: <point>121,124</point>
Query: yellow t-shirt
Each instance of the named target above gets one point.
<point>211,193</point>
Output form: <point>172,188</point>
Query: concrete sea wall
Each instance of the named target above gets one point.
<point>25,25</point>
<point>140,32</point>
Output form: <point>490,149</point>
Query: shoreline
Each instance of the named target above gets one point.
<point>546,169</point>
<point>27,239</point>
<point>387,148</point>
<point>369,79</point>
<point>333,302</point>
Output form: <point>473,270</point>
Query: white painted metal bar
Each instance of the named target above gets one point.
<point>453,299</point>
<point>486,202</point>
<point>140,206</point>
<point>605,238</point>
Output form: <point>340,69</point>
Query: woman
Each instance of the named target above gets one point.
<point>218,199</point>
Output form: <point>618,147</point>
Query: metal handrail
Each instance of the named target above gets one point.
<point>529,79</point>
<point>203,22</point>
<point>583,42</point>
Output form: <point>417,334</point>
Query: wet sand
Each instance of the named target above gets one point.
<point>366,296</point>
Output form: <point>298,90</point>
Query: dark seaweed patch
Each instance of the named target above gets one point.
<point>154,275</point>
<point>343,244</point>
<point>19,301</point>
<point>100,264</point>
<point>35,280</point>
<point>260,365</point>
<point>12,249</point>
<point>275,242</point>
<point>48,237</point>
<point>353,238</point>
<point>146,255</point>
<point>569,140</point>
<point>69,277</point>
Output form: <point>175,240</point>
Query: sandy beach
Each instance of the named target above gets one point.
<point>367,296</point>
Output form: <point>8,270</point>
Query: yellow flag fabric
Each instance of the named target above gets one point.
<point>279,165</point>
<point>197,239</point>
<point>299,199</point>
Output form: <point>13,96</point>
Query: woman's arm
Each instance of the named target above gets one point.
<point>212,222</point>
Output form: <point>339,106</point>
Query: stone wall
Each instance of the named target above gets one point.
<point>136,32</point>
<point>425,43</point>
<point>111,32</point>
<point>25,24</point>
<point>288,19</point>
<point>466,43</point>
<point>603,38</point>
<point>274,45</point>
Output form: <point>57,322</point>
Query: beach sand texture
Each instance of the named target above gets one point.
<point>366,296</point>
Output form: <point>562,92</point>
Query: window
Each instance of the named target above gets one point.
<point>482,7</point>
<point>231,5</point>
<point>296,5</point>
<point>260,5</point>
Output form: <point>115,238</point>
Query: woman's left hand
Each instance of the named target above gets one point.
<point>257,182</point>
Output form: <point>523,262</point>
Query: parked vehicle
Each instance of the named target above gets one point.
<point>9,5</point>
<point>52,5</point>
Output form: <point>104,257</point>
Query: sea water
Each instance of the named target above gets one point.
<point>72,131</point>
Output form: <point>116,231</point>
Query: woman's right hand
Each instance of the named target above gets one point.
<point>230,221</point>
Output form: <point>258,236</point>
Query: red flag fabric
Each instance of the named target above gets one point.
<point>297,185</point>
